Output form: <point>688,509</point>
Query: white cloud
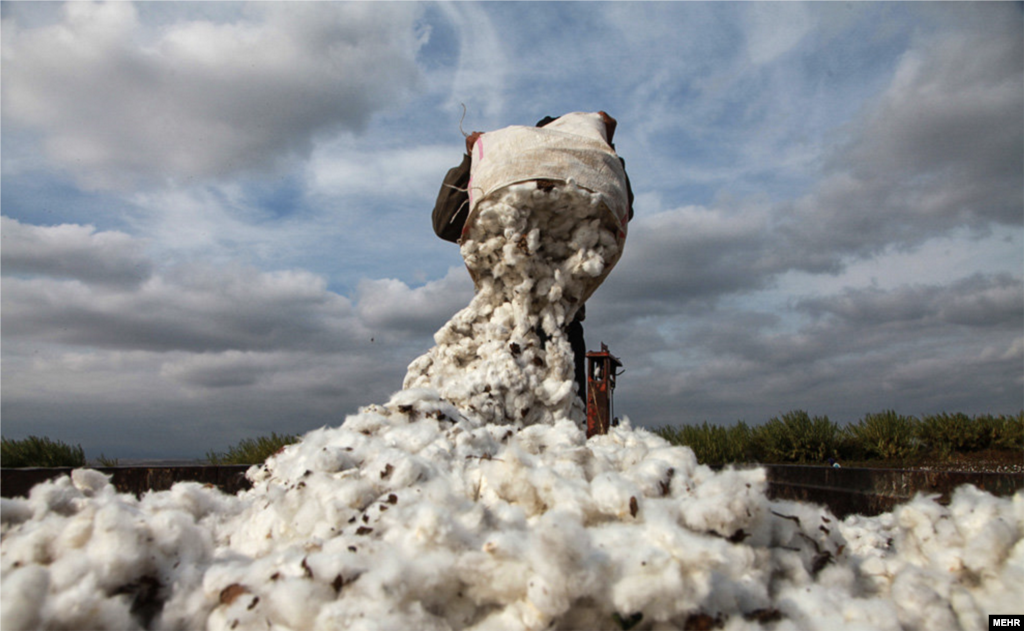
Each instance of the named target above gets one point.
<point>197,308</point>
<point>220,349</point>
<point>392,305</point>
<point>774,28</point>
<point>479,80</point>
<point>72,251</point>
<point>394,173</point>
<point>202,98</point>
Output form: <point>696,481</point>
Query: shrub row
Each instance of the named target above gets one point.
<point>35,451</point>
<point>796,437</point>
<point>252,450</point>
<point>40,452</point>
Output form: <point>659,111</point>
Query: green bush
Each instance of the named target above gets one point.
<point>886,435</point>
<point>252,450</point>
<point>712,444</point>
<point>946,434</point>
<point>36,451</point>
<point>103,461</point>
<point>796,437</point>
<point>1010,434</point>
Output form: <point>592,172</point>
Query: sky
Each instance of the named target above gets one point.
<point>216,216</point>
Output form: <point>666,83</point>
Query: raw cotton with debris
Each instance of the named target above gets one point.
<point>473,500</point>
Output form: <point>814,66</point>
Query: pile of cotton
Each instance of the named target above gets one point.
<point>473,500</point>
<point>413,516</point>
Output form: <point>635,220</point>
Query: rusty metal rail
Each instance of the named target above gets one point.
<point>872,491</point>
<point>845,491</point>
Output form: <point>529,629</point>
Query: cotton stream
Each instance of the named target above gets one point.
<point>473,500</point>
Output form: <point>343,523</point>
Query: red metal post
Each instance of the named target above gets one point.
<point>602,368</point>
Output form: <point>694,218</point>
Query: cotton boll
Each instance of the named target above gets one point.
<point>84,605</point>
<point>615,496</point>
<point>928,535</point>
<point>987,531</point>
<point>23,593</point>
<point>494,575</point>
<point>341,615</point>
<point>57,495</point>
<point>89,481</point>
<point>293,602</point>
<point>119,542</point>
<point>647,578</point>
<point>592,266</point>
<point>69,569</point>
<point>563,570</point>
<point>817,606</point>
<point>333,460</point>
<point>201,501</point>
<point>919,606</point>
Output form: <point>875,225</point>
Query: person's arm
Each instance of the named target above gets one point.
<point>452,203</point>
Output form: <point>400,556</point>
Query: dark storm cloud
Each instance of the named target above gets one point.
<point>977,301</point>
<point>199,309</point>
<point>920,349</point>
<point>691,255</point>
<point>943,147</point>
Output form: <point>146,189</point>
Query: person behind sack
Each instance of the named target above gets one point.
<point>454,204</point>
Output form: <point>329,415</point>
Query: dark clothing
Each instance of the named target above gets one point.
<point>579,352</point>
<point>452,204</point>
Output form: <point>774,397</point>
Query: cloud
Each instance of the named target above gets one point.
<point>413,173</point>
<point>479,81</point>
<point>223,349</point>
<point>178,404</point>
<point>392,305</point>
<point>917,348</point>
<point>229,369</point>
<point>976,301</point>
<point>108,258</point>
<point>202,98</point>
<point>773,29</point>
<point>197,308</point>
<point>939,149</point>
<point>201,307</point>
